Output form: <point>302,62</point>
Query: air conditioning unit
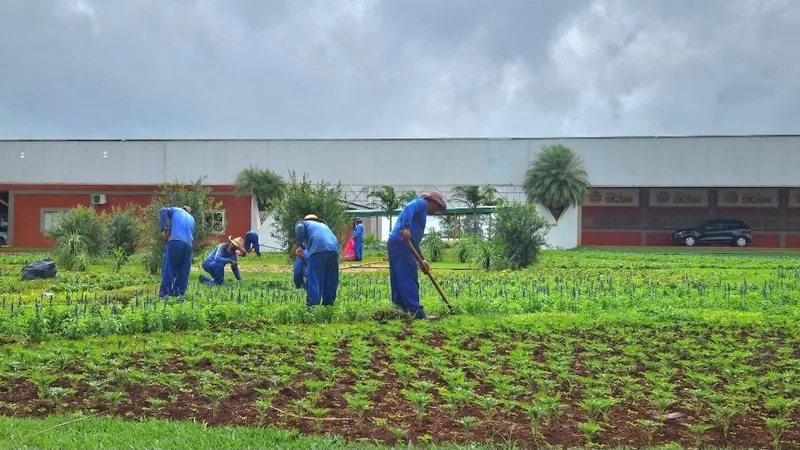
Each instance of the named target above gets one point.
<point>98,199</point>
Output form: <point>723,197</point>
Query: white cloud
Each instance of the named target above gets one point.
<point>348,68</point>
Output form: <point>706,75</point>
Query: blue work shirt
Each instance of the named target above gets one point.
<point>220,256</point>
<point>316,237</point>
<point>412,218</point>
<point>358,232</point>
<point>181,224</point>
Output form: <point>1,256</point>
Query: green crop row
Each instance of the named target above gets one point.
<point>564,379</point>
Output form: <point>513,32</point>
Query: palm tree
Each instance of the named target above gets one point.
<point>474,196</point>
<point>407,196</point>
<point>387,197</point>
<point>557,180</point>
<point>265,185</point>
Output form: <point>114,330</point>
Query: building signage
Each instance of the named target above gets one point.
<point>747,198</point>
<point>794,198</point>
<point>612,197</point>
<point>678,198</point>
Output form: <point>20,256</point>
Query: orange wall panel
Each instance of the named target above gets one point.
<point>611,238</point>
<point>792,241</point>
<point>659,239</point>
<point>27,212</point>
<point>763,240</point>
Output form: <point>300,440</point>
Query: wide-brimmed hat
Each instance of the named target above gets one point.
<point>237,242</point>
<point>436,198</point>
<point>314,218</point>
<point>359,220</point>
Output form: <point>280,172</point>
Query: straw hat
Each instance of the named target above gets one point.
<point>359,219</point>
<point>314,218</point>
<point>237,242</point>
<point>436,198</point>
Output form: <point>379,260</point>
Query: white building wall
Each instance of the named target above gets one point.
<point>672,161</point>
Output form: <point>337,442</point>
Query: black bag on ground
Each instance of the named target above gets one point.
<point>44,268</point>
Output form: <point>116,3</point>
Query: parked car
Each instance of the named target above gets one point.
<point>733,232</point>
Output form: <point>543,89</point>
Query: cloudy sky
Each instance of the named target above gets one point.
<point>397,68</point>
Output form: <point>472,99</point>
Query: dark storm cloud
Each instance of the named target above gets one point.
<point>369,68</point>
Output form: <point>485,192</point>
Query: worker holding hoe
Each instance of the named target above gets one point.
<point>177,229</point>
<point>222,255</point>
<point>403,275</point>
<point>313,234</point>
<point>301,270</point>
<point>358,238</point>
<point>251,242</point>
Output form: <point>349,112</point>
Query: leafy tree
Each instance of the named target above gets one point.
<point>557,180</point>
<point>520,233</point>
<point>474,196</point>
<point>263,184</point>
<point>301,197</point>
<point>433,245</point>
<point>447,224</point>
<point>388,200</point>
<point>123,228</point>
<point>406,197</point>
<point>86,224</point>
<point>198,197</point>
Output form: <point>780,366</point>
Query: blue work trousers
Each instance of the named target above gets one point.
<point>299,274</point>
<point>359,247</point>
<point>217,272</point>
<point>322,278</point>
<point>176,268</point>
<point>251,244</point>
<point>404,277</point>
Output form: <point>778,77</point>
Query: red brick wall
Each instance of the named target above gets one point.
<point>27,208</point>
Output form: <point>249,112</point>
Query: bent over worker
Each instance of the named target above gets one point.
<point>301,270</point>
<point>312,233</point>
<point>358,238</point>
<point>251,242</point>
<point>177,228</point>
<point>222,255</point>
<point>403,274</point>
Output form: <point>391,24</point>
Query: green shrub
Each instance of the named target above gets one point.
<point>196,196</point>
<point>463,247</point>
<point>123,228</point>
<point>72,251</point>
<point>83,221</point>
<point>520,233</point>
<point>433,246</point>
<point>301,197</point>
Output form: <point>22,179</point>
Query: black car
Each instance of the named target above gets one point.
<point>734,232</point>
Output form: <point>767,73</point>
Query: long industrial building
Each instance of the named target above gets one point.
<point>643,187</point>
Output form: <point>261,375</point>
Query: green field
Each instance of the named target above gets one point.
<point>615,347</point>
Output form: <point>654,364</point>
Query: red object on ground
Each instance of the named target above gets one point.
<point>349,251</point>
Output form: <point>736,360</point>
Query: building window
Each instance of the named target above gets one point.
<point>48,218</point>
<point>216,221</point>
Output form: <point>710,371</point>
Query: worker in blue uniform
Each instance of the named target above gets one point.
<point>177,228</point>
<point>358,238</point>
<point>222,255</point>
<point>301,270</point>
<point>313,234</point>
<point>251,242</point>
<point>403,275</point>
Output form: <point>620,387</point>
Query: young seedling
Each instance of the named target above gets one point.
<point>650,428</point>
<point>776,427</point>
<point>469,422</point>
<point>590,429</point>
<point>419,401</point>
<point>318,414</point>
<point>358,403</point>
<point>698,430</point>
<point>489,406</point>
